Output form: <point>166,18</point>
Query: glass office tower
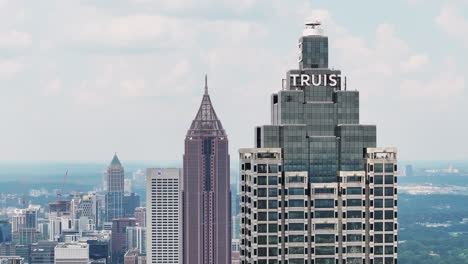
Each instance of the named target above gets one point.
<point>310,191</point>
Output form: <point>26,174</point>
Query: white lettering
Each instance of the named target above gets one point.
<point>294,79</point>
<point>305,80</point>
<point>314,80</point>
<point>333,81</point>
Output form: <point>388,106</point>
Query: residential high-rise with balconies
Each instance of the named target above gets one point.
<point>315,189</point>
<point>206,195</point>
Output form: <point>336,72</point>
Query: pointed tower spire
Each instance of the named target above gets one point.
<point>206,84</point>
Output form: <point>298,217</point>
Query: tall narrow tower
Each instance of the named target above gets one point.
<point>207,195</point>
<point>115,190</point>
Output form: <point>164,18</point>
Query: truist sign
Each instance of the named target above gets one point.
<point>330,80</point>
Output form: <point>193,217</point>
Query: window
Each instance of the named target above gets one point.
<point>353,190</point>
<point>296,238</point>
<point>389,238</point>
<point>389,167</point>
<point>327,238</point>
<point>262,240</point>
<point>273,168</point>
<point>272,192</point>
<point>272,204</point>
<point>262,216</point>
<point>272,252</point>
<point>389,179</point>
<point>325,261</point>
<point>272,228</point>
<point>388,214</point>
<point>354,249</point>
<point>296,215</point>
<point>378,179</point>
<point>378,203</point>
<point>324,203</point>
<point>296,191</point>
<point>272,180</point>
<point>324,214</point>
<point>324,226</point>
<point>262,168</point>
<point>272,216</point>
<point>262,204</point>
<point>354,226</point>
<point>354,179</point>
<point>262,252</point>
<point>354,214</point>
<point>296,250</point>
<point>262,192</point>
<point>324,190</point>
<point>378,238</point>
<point>389,226</point>
<point>378,250</point>
<point>262,228</point>
<point>388,191</point>
<point>353,238</point>
<point>378,191</point>
<point>354,202</point>
<point>325,250</point>
<point>378,167</point>
<point>262,180</point>
<point>296,226</point>
<point>296,179</point>
<point>296,203</point>
<point>273,240</point>
<point>388,203</point>
<point>378,215</point>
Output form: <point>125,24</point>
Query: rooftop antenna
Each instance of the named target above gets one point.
<point>314,24</point>
<point>206,84</point>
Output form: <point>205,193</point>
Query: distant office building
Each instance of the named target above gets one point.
<point>72,253</point>
<point>207,196</point>
<point>128,185</point>
<point>99,250</point>
<point>7,249</point>
<point>23,251</point>
<point>409,170</point>
<point>136,238</point>
<point>235,249</point>
<point>131,257</point>
<point>25,236</point>
<point>140,216</point>
<point>11,260</point>
<point>164,216</point>
<point>43,252</point>
<point>315,189</point>
<point>5,231</point>
<point>130,203</point>
<point>119,238</point>
<point>115,190</point>
<point>59,208</point>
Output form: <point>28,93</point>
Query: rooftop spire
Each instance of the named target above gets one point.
<point>206,84</point>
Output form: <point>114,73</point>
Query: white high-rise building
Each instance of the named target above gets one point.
<point>164,216</point>
<point>72,253</point>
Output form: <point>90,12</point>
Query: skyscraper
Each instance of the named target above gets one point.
<point>164,217</point>
<point>315,189</point>
<point>207,208</point>
<point>119,237</point>
<point>115,190</point>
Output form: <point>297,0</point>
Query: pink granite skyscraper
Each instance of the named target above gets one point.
<point>207,195</point>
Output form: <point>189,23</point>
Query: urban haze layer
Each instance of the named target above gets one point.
<point>314,189</point>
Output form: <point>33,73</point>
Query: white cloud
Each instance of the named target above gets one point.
<point>52,88</point>
<point>446,85</point>
<point>14,39</point>
<point>415,63</point>
<point>453,23</point>
<point>9,68</point>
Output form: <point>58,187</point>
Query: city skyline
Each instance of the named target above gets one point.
<point>71,88</point>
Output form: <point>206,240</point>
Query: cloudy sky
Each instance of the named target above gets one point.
<point>80,80</point>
